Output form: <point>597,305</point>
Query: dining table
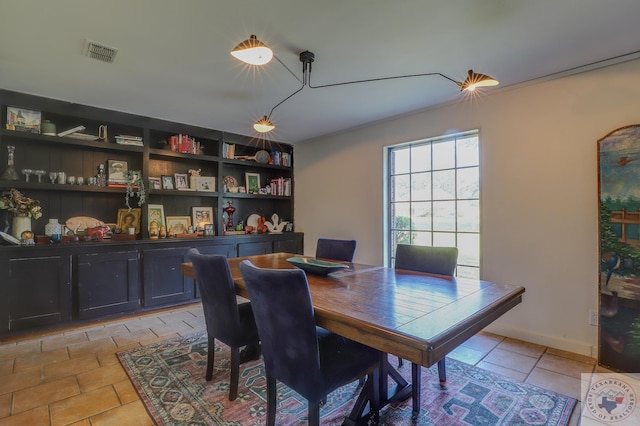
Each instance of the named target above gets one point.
<point>416,316</point>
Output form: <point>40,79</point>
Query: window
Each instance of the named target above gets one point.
<point>433,193</point>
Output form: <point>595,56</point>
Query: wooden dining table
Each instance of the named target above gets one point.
<point>416,316</point>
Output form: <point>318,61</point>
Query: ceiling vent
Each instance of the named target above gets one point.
<point>99,51</point>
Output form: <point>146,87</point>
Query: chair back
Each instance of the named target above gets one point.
<point>218,296</point>
<point>336,249</point>
<point>286,325</point>
<point>432,260</point>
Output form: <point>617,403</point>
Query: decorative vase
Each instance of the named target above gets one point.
<point>19,225</point>
<point>54,230</point>
<point>48,128</point>
<point>10,172</point>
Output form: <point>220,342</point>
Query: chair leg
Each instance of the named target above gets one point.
<point>271,401</point>
<point>442,373</point>
<point>314,413</point>
<point>235,373</point>
<point>416,378</point>
<point>374,401</point>
<point>211,350</point>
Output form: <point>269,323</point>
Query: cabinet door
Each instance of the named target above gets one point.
<point>108,283</point>
<point>289,245</point>
<point>38,292</point>
<point>163,282</point>
<point>251,249</point>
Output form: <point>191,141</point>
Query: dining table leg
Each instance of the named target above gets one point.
<point>403,388</point>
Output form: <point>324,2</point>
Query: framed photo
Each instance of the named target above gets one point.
<point>117,171</point>
<point>167,182</point>
<point>201,216</point>
<point>209,230</point>
<point>155,212</point>
<point>178,224</point>
<point>203,183</point>
<point>23,120</point>
<point>129,219</point>
<point>155,183</point>
<point>252,182</point>
<point>181,180</point>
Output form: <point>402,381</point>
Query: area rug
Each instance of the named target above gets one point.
<point>170,379</point>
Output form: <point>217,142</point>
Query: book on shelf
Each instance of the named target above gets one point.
<point>228,150</point>
<point>184,144</point>
<point>129,140</point>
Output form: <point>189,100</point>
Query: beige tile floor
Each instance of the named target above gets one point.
<point>73,377</point>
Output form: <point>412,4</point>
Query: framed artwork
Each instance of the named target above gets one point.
<point>203,183</point>
<point>155,183</point>
<point>201,216</point>
<point>129,219</point>
<point>167,182</point>
<point>155,212</point>
<point>252,182</point>
<point>181,180</point>
<point>178,224</point>
<point>209,230</point>
<point>23,120</point>
<point>117,171</point>
<point>619,260</point>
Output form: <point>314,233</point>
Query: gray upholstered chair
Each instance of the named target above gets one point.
<point>336,249</point>
<point>310,360</point>
<point>432,260</point>
<point>230,323</point>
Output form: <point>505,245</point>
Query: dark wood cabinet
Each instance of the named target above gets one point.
<point>108,283</point>
<point>36,291</point>
<point>255,248</point>
<point>163,282</point>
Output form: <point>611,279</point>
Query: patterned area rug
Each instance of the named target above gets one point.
<point>169,376</point>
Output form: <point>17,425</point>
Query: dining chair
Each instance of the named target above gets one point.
<point>336,249</point>
<point>431,260</point>
<point>227,321</point>
<point>309,359</point>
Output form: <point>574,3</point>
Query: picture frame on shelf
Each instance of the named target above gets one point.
<point>203,183</point>
<point>155,212</point>
<point>155,183</point>
<point>117,171</point>
<point>209,230</point>
<point>252,182</point>
<point>181,181</point>
<point>129,219</point>
<point>23,120</point>
<point>178,224</point>
<point>167,182</point>
<point>201,216</point>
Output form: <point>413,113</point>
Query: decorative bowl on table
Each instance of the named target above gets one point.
<point>315,266</point>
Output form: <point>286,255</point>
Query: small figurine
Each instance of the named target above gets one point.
<point>162,232</point>
<point>153,230</point>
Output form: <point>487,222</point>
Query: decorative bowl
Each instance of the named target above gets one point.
<point>315,266</point>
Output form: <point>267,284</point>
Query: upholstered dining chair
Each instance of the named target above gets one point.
<point>336,249</point>
<point>230,323</point>
<point>310,360</point>
<point>432,260</point>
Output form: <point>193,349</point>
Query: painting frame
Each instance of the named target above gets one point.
<point>167,182</point>
<point>155,212</point>
<point>117,171</point>
<point>181,181</point>
<point>124,214</point>
<point>23,120</point>
<point>209,230</point>
<point>203,183</point>
<point>252,182</point>
<point>178,224</point>
<point>618,316</point>
<point>155,183</point>
<point>201,216</point>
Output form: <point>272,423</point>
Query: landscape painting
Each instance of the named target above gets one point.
<point>619,282</point>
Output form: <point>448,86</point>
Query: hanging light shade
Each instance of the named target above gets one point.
<point>264,125</point>
<point>475,80</point>
<point>253,52</point>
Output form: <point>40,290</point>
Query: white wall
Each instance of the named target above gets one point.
<point>539,218</point>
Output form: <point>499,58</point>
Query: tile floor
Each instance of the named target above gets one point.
<point>73,377</point>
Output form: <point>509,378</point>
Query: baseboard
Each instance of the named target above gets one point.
<point>581,348</point>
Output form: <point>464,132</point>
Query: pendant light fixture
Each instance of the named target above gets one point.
<point>253,52</point>
<point>264,125</point>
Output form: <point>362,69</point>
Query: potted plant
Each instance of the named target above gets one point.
<point>134,187</point>
<point>23,209</point>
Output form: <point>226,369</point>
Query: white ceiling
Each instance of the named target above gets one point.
<point>174,62</point>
